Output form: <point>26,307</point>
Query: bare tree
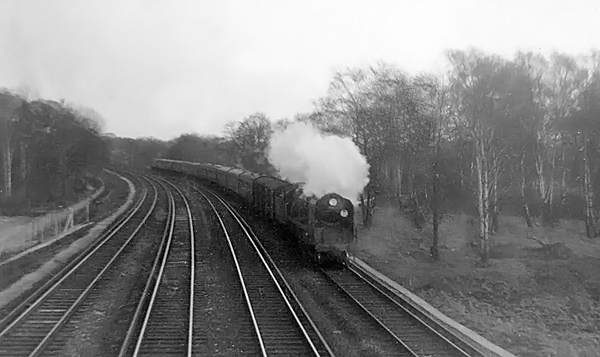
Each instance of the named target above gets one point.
<point>250,139</point>
<point>475,81</point>
<point>436,95</point>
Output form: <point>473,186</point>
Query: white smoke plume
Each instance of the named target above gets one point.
<point>325,163</point>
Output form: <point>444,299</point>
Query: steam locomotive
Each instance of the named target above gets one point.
<point>323,227</point>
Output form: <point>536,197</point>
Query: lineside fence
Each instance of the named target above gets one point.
<point>50,225</point>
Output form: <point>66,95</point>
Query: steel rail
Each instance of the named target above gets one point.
<point>280,274</point>
<point>256,243</point>
<point>240,276</point>
<point>74,305</point>
<point>69,269</point>
<point>390,296</point>
<point>261,253</point>
<point>192,269</point>
<point>364,309</point>
<point>163,264</point>
<point>399,323</point>
<point>10,317</point>
<point>156,286</point>
<point>125,346</point>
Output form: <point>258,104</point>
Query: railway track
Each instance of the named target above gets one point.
<point>281,325</point>
<point>382,315</point>
<point>163,323</point>
<point>42,323</point>
<point>414,334</point>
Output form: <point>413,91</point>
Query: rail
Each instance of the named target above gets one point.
<point>261,321</point>
<point>42,316</point>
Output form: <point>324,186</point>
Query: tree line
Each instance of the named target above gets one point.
<point>518,136</point>
<point>47,149</point>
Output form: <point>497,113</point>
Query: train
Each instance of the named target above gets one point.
<point>323,226</point>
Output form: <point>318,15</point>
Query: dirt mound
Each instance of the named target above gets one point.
<point>552,251</point>
<point>570,276</point>
<point>586,271</point>
<point>538,295</point>
<point>503,251</point>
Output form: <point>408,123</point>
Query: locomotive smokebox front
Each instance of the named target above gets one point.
<point>334,226</point>
<point>335,209</point>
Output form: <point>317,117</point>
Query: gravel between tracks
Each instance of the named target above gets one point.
<point>220,303</point>
<point>100,328</point>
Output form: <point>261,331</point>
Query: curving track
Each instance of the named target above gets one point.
<point>164,325</point>
<point>382,315</point>
<point>163,322</point>
<point>40,324</point>
<point>166,322</point>
<point>281,325</point>
<point>415,335</point>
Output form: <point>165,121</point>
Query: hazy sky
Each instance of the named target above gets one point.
<point>161,68</point>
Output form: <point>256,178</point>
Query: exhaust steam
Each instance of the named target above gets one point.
<point>324,163</point>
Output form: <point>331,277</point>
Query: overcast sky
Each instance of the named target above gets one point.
<point>162,68</point>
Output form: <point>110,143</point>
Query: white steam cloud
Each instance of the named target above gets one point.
<point>325,163</point>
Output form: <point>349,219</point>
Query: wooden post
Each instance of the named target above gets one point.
<point>68,221</point>
<point>55,216</point>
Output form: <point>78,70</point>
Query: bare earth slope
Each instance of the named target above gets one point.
<point>529,300</point>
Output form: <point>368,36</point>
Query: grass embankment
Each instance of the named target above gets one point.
<point>529,300</point>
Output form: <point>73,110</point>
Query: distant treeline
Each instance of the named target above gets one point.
<point>47,149</point>
<point>244,145</point>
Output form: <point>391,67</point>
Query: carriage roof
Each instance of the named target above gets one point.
<point>273,183</point>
